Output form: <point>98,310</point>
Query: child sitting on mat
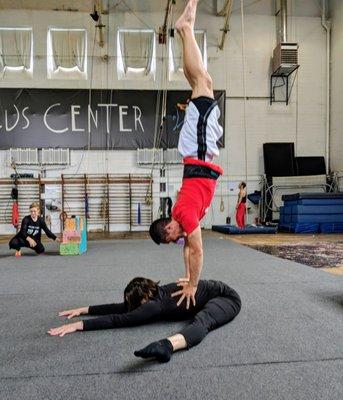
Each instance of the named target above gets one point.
<point>30,232</point>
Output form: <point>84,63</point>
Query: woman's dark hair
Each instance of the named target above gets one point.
<point>243,184</point>
<point>137,290</point>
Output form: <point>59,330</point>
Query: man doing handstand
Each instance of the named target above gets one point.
<point>198,146</point>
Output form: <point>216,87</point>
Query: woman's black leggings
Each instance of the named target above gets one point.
<point>217,312</point>
<point>18,242</point>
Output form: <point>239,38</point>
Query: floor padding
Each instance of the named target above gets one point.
<point>318,255</point>
<point>287,342</point>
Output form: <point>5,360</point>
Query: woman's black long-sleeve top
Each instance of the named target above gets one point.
<point>33,229</point>
<point>161,307</point>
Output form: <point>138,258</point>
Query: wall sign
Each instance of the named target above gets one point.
<point>97,119</point>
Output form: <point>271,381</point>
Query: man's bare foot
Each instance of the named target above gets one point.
<point>18,253</point>
<point>187,18</point>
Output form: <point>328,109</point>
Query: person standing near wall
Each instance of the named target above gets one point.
<point>241,205</point>
<point>30,232</point>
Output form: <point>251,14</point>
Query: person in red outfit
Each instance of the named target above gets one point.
<point>198,146</point>
<point>241,205</point>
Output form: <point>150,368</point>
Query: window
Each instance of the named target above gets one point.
<point>136,54</point>
<point>176,54</point>
<point>16,50</point>
<point>67,54</point>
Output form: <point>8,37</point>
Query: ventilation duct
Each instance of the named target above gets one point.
<point>284,61</point>
<point>285,58</point>
<point>172,156</point>
<point>285,55</point>
<point>55,156</point>
<point>283,22</point>
<point>158,156</point>
<point>149,156</point>
<point>24,156</point>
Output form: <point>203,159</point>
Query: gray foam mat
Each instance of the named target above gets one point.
<point>287,342</point>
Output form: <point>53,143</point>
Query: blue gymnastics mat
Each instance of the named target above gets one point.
<point>299,228</point>
<point>312,209</point>
<point>313,196</point>
<point>316,218</point>
<point>315,202</point>
<point>334,227</point>
<point>234,230</point>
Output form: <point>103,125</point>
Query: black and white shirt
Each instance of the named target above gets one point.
<point>33,229</point>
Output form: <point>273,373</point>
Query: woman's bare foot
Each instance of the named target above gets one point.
<point>187,19</point>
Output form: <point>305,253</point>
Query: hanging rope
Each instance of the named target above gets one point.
<point>297,116</point>
<point>222,206</point>
<point>91,83</point>
<point>245,99</point>
<point>89,102</point>
<point>161,106</point>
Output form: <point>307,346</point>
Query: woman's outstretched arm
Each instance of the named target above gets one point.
<point>102,309</point>
<point>65,329</point>
<point>143,314</point>
<point>47,231</point>
<point>75,312</point>
<point>105,309</point>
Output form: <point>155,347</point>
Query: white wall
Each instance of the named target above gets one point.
<point>303,121</point>
<point>337,85</point>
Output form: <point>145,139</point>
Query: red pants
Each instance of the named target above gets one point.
<point>240,215</point>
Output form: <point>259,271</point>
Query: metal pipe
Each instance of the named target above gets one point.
<point>327,26</point>
<point>225,12</point>
<point>283,16</point>
<point>166,16</point>
<point>101,26</point>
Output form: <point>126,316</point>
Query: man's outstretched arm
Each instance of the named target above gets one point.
<point>194,251</point>
<point>195,256</point>
<point>186,260</point>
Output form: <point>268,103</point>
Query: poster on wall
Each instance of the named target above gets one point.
<point>53,206</point>
<point>96,119</point>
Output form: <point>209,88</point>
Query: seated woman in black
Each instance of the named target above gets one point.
<point>146,301</point>
<point>30,232</point>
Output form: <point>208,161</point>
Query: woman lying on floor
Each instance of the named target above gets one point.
<point>146,301</point>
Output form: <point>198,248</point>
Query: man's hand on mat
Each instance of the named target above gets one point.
<point>65,329</point>
<point>187,293</point>
<point>73,313</point>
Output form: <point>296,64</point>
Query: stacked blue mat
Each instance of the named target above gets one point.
<point>234,230</point>
<point>312,213</point>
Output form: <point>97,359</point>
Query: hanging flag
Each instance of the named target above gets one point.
<point>15,214</point>
<point>139,216</point>
<point>86,206</point>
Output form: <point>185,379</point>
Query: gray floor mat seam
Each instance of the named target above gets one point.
<point>235,365</point>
